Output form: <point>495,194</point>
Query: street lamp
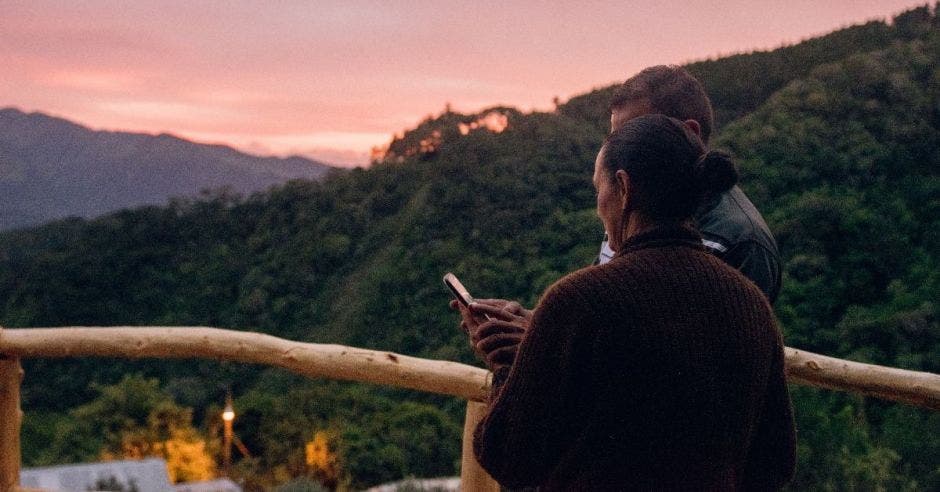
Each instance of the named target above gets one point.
<point>228,415</point>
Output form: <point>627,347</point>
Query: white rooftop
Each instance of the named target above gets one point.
<point>427,484</point>
<point>148,475</point>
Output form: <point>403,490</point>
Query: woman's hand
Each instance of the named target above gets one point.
<point>495,327</point>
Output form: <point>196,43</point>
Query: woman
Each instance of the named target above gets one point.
<point>661,370</point>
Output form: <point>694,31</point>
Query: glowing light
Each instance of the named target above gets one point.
<point>493,121</point>
<point>228,414</point>
<point>431,143</point>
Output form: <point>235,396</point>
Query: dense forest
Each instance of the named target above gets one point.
<point>838,142</point>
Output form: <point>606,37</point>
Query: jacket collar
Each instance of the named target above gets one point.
<point>660,236</point>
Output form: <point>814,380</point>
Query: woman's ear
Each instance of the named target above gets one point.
<point>623,186</point>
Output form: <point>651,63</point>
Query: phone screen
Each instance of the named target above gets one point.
<point>457,289</point>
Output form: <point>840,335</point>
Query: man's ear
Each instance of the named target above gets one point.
<point>695,127</point>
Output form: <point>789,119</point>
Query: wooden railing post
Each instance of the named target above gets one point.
<point>11,375</point>
<point>473,478</point>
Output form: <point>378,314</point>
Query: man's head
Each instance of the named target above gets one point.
<point>664,89</point>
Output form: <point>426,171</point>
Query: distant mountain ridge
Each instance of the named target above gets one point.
<point>52,168</point>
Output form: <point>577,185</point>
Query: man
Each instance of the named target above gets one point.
<point>732,229</point>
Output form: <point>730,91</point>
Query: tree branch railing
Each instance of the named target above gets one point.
<point>369,366</point>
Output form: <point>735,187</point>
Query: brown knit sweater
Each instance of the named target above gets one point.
<point>661,370</point>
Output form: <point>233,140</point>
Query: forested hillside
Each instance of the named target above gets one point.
<point>838,142</point>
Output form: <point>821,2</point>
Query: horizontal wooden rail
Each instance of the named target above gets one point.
<point>307,359</point>
<point>920,389</point>
<point>370,366</point>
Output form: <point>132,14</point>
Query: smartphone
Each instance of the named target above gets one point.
<point>457,289</point>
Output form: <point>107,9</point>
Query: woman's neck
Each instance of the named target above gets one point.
<point>638,224</point>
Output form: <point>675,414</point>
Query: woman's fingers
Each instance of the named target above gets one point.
<point>492,302</point>
<point>497,341</point>
<point>494,326</point>
<point>468,322</point>
<point>510,307</point>
<point>514,308</point>
<point>481,310</point>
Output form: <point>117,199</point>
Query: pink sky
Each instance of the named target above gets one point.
<point>330,80</point>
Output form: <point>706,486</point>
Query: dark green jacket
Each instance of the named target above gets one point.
<point>733,230</point>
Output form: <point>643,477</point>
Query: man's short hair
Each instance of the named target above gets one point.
<point>669,90</point>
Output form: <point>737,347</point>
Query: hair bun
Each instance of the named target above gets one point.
<point>716,172</point>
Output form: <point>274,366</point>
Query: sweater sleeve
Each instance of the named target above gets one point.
<point>534,408</point>
<point>771,458</point>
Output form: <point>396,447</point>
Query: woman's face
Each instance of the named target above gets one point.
<point>610,201</point>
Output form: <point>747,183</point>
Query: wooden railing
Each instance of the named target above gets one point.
<point>369,366</point>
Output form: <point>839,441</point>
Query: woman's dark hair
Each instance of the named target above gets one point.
<point>669,169</point>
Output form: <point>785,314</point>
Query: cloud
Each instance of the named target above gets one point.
<point>90,79</point>
<point>340,148</point>
<point>336,157</point>
<point>168,111</point>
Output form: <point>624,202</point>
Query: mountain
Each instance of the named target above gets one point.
<point>51,168</point>
<point>842,156</point>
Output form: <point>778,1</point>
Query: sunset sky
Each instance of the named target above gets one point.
<point>330,80</point>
